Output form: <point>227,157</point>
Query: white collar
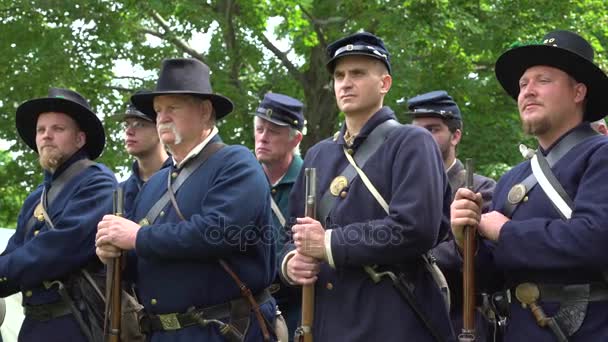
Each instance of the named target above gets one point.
<point>197,149</point>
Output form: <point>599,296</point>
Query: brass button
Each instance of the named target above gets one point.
<point>525,199</point>
<point>274,191</point>
<point>28,293</point>
<point>162,213</point>
<point>153,301</point>
<point>343,194</point>
<point>350,151</point>
<point>329,286</point>
<point>36,232</point>
<point>40,217</point>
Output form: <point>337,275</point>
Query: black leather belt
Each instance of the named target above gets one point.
<point>46,312</point>
<point>556,292</point>
<point>235,309</point>
<point>598,291</point>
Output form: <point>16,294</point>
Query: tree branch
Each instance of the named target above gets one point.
<point>121,89</point>
<point>317,27</point>
<point>293,70</point>
<point>170,36</point>
<point>130,78</point>
<point>231,43</point>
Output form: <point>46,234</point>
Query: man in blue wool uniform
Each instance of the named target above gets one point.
<point>546,233</point>
<point>57,223</point>
<point>141,142</point>
<point>439,114</point>
<point>278,124</point>
<point>383,215</point>
<point>200,236</point>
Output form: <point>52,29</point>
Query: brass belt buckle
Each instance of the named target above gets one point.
<point>169,321</point>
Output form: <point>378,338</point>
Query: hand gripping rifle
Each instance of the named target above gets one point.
<point>304,332</point>
<point>114,273</point>
<point>468,274</point>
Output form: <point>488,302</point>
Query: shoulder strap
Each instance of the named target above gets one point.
<point>277,211</point>
<point>56,187</point>
<point>556,153</point>
<point>245,291</point>
<point>428,263</point>
<point>551,186</point>
<point>364,152</point>
<point>190,167</point>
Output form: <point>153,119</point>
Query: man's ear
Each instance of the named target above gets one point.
<point>81,139</point>
<point>580,92</point>
<point>387,81</point>
<point>456,136</point>
<point>296,139</point>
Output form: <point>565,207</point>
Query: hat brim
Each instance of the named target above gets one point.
<point>331,64</point>
<point>27,119</point>
<point>145,102</point>
<point>512,64</point>
<point>124,116</point>
<point>274,121</point>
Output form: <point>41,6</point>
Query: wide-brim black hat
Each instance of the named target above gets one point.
<point>61,101</point>
<point>563,50</point>
<point>184,76</point>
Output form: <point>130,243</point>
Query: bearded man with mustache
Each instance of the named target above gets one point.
<point>545,236</point>
<point>56,226</point>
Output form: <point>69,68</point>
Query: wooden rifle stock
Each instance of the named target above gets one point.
<point>304,331</point>
<point>116,286</point>
<point>468,274</point>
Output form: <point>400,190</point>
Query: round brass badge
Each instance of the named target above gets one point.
<point>38,215</point>
<point>517,193</point>
<point>337,185</point>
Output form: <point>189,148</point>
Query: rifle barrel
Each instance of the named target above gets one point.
<point>308,291</point>
<point>468,275</point>
<point>116,291</point>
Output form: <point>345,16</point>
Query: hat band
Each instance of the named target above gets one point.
<point>351,47</point>
<point>274,113</point>
<point>447,113</point>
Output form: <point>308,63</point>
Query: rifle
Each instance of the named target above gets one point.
<point>468,274</point>
<point>114,272</point>
<point>304,332</point>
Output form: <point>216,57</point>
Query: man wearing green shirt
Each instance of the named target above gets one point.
<point>278,125</point>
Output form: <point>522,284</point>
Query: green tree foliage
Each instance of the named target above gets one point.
<point>257,46</point>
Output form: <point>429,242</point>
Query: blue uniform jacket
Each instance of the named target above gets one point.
<point>43,254</point>
<point>408,172</point>
<point>538,246</point>
<point>175,263</point>
<point>133,185</point>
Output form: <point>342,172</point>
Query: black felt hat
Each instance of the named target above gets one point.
<point>64,101</point>
<point>183,76</point>
<point>563,50</point>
